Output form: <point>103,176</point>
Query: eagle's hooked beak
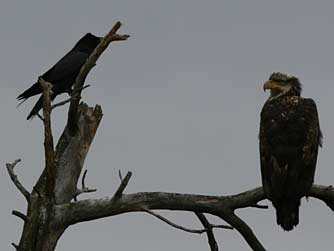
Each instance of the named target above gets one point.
<point>270,85</point>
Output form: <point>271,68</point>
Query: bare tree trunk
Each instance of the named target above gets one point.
<point>41,230</point>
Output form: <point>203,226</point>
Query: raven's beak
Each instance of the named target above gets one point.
<point>269,85</point>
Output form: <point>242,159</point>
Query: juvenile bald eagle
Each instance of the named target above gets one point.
<point>289,139</point>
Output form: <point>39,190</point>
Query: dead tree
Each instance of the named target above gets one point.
<point>53,205</point>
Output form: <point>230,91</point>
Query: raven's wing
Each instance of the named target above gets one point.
<point>67,67</point>
<point>31,91</point>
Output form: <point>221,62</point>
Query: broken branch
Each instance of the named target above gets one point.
<point>10,168</point>
<point>20,215</point>
<point>122,186</point>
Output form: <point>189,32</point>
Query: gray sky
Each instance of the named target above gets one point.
<point>181,101</point>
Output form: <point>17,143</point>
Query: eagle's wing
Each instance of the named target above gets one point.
<point>265,152</point>
<point>312,142</point>
<point>288,161</point>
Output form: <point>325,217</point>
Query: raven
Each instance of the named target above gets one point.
<point>63,74</point>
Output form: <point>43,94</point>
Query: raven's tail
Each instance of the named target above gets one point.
<point>37,107</point>
<point>32,91</point>
<point>287,213</point>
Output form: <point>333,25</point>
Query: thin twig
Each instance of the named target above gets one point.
<point>20,215</point>
<point>84,189</point>
<point>122,186</point>
<point>64,102</point>
<point>120,175</point>
<point>10,168</point>
<point>15,246</point>
<point>83,179</point>
<point>40,117</point>
<point>193,231</point>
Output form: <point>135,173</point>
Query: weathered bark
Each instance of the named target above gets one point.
<point>71,152</point>
<point>41,230</point>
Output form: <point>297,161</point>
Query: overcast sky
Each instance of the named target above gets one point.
<point>181,102</point>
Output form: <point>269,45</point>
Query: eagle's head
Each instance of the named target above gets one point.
<point>282,84</point>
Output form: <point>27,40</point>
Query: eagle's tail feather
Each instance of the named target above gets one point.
<point>287,213</point>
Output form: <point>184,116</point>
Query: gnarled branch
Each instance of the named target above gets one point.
<point>221,206</point>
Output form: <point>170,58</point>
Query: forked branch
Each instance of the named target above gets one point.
<point>84,189</point>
